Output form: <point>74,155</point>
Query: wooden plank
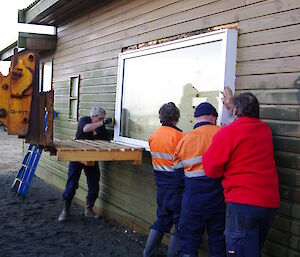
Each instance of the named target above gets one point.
<point>99,89</point>
<point>102,97</point>
<point>276,20</point>
<point>278,96</point>
<point>269,81</point>
<point>119,8</point>
<point>288,144</point>
<point>177,19</point>
<point>134,17</point>
<point>288,160</point>
<point>276,35</point>
<point>280,112</point>
<point>83,66</point>
<point>284,128</point>
<point>277,50</point>
<point>290,193</point>
<point>287,64</point>
<point>286,224</point>
<point>110,71</point>
<point>106,105</point>
<point>67,155</point>
<point>191,10</point>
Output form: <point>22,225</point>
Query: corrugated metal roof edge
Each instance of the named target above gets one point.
<point>12,45</point>
<point>30,6</point>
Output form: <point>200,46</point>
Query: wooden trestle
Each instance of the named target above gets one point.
<point>89,151</point>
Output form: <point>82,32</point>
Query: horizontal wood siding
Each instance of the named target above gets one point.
<point>268,64</point>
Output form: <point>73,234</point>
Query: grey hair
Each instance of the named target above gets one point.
<point>95,111</point>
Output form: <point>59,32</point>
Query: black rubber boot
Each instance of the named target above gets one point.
<point>65,213</point>
<point>173,246</point>
<point>153,241</point>
<point>88,212</point>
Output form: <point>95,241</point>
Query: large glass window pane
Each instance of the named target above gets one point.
<point>185,76</point>
<point>186,71</point>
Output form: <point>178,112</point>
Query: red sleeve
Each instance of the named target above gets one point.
<point>216,157</point>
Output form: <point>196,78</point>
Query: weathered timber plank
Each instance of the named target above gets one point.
<point>284,128</point>
<point>98,89</point>
<point>289,209</point>
<point>271,21</point>
<point>106,105</point>
<point>280,112</point>
<point>268,51</point>
<point>275,237</point>
<point>112,11</point>
<point>65,123</point>
<point>105,81</point>
<point>275,250</point>
<point>110,71</point>
<point>154,19</point>
<point>290,177</point>
<point>269,81</point>
<point>288,144</point>
<point>63,133</point>
<point>109,32</point>
<point>276,35</point>
<point>138,16</point>
<point>102,97</point>
<point>290,193</point>
<point>288,160</point>
<point>287,64</point>
<point>280,96</point>
<point>83,66</point>
<point>287,225</point>
<point>93,156</point>
<point>114,145</point>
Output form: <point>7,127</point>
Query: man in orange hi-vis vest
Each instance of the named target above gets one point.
<point>169,183</point>
<point>202,204</point>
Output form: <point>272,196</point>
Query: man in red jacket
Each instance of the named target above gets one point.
<point>242,153</point>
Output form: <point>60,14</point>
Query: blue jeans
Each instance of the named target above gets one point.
<point>168,209</point>
<point>192,227</point>
<point>246,229</point>
<point>93,177</point>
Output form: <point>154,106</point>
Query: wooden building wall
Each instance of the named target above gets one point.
<point>268,64</point>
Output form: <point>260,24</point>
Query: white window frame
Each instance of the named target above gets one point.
<point>74,98</point>
<point>228,37</point>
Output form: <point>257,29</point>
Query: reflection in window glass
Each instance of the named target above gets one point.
<point>47,76</point>
<point>186,76</point>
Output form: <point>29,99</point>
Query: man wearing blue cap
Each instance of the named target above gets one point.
<point>203,204</point>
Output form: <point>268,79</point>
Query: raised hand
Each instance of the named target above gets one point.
<point>227,98</point>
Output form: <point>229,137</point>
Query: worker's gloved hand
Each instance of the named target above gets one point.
<point>109,121</point>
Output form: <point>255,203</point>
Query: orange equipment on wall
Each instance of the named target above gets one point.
<point>22,107</point>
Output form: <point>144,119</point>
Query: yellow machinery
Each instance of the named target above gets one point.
<point>23,110</point>
<point>22,107</point>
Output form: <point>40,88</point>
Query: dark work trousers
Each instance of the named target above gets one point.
<point>168,209</point>
<point>192,227</point>
<point>93,177</point>
<point>246,229</point>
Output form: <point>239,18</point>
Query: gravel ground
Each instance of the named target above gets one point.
<point>29,227</point>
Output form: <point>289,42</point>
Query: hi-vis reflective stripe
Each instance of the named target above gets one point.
<point>162,155</point>
<point>194,173</point>
<point>163,168</point>
<point>195,160</point>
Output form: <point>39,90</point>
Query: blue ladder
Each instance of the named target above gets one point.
<point>26,171</point>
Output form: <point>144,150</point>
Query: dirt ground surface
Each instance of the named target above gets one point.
<point>29,227</point>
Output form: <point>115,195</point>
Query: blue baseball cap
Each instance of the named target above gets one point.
<point>205,109</point>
